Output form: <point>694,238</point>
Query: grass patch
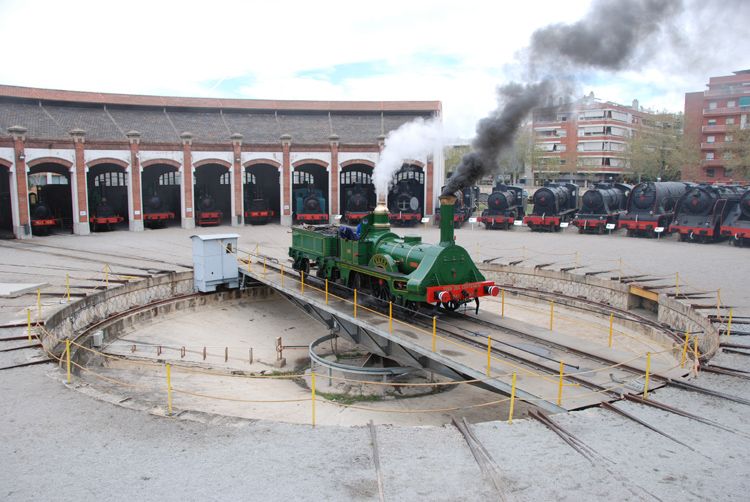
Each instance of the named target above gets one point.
<point>349,398</point>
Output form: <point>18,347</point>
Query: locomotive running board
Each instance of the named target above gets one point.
<point>397,345</point>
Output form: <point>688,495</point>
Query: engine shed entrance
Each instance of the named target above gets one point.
<point>261,192</point>
<point>212,194</point>
<point>357,194</point>
<point>108,196</point>
<point>310,201</point>
<point>6,211</point>
<point>50,198</point>
<point>161,189</point>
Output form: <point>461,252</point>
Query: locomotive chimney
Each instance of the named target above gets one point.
<point>380,215</point>
<point>447,203</point>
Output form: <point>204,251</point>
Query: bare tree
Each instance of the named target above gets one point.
<point>659,149</point>
<point>736,153</point>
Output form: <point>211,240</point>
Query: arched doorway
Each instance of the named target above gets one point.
<point>6,206</point>
<point>50,198</point>
<point>406,196</point>
<point>261,193</point>
<point>310,193</point>
<point>108,196</point>
<point>212,193</point>
<point>357,192</point>
<point>161,191</point>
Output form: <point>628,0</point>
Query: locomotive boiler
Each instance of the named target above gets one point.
<point>651,205</point>
<point>208,213</point>
<point>504,205</point>
<point>357,203</point>
<point>554,203</point>
<point>701,211</point>
<point>155,212</point>
<point>402,270</point>
<point>601,206</point>
<point>405,197</point>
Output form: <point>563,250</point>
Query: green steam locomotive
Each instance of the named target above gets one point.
<point>403,270</point>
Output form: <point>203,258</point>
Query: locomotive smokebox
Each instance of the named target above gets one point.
<point>447,209</point>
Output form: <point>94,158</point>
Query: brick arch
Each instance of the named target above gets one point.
<point>6,163</point>
<point>261,161</point>
<point>108,160</point>
<point>413,162</point>
<point>222,163</point>
<point>317,162</point>
<point>168,162</point>
<point>50,160</point>
<point>357,161</point>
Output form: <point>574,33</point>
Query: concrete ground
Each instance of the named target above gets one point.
<point>62,444</point>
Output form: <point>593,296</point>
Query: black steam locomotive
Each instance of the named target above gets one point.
<point>405,197</point>
<point>554,203</point>
<point>737,222</point>
<point>702,210</point>
<point>650,206</point>
<point>309,205</point>
<point>504,205</point>
<point>155,212</point>
<point>602,206</point>
<point>466,204</point>
<point>42,219</point>
<point>257,209</point>
<point>104,216</point>
<point>208,214</point>
<point>359,203</point>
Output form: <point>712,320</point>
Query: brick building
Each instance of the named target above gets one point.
<point>87,140</point>
<point>585,141</point>
<point>711,117</point>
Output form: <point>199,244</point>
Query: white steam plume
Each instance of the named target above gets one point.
<point>412,140</point>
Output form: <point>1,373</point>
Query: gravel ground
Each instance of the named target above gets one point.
<point>60,444</point>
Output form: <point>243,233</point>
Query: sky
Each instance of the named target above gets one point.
<point>457,52</point>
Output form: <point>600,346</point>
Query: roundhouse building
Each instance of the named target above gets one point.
<point>123,147</point>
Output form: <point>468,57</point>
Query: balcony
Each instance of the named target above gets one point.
<point>728,93</point>
<point>716,145</point>
<point>714,128</point>
<point>713,112</point>
<point>712,163</point>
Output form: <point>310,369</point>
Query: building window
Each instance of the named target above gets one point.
<point>710,172</point>
<point>563,162</point>
<point>248,178</point>
<point>712,105</point>
<point>711,139</point>
<point>709,155</point>
<point>224,180</point>
<point>169,179</point>
<point>111,179</point>
<point>728,138</point>
<point>731,104</point>
<point>711,122</point>
<point>730,121</point>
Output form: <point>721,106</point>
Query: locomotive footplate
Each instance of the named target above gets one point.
<point>541,221</point>
<point>638,225</point>
<point>259,214</point>
<point>158,216</point>
<point>108,220</point>
<point>686,230</point>
<point>496,219</point>
<point>405,216</point>
<point>353,217</point>
<point>209,218</point>
<point>312,217</point>
<point>461,292</point>
<point>44,223</point>
<point>736,232</point>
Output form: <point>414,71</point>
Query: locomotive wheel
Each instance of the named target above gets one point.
<point>410,305</point>
<point>304,266</point>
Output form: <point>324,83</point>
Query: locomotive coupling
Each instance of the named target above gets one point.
<point>492,290</point>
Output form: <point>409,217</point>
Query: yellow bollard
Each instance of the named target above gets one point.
<point>685,349</point>
<point>169,389</point>
<point>38,304</point>
<point>502,303</point>
<point>512,397</point>
<point>551,314</point>
<point>677,285</point>
<point>648,373</point>
<point>28,323</point>
<point>67,357</point>
<point>67,286</point>
<point>326,291</point>
<point>560,384</point>
<point>489,351</point>
<point>390,317</point>
<point>355,303</point>
<point>302,282</point>
<point>312,385</point>
<point>729,324</point>
<point>611,328</point>
<point>434,332</point>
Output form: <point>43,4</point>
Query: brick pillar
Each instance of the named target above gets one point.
<point>286,144</point>
<point>188,220</point>
<point>21,228</point>
<point>333,140</point>
<point>136,220</point>
<point>429,180</point>
<point>81,220</point>
<point>237,176</point>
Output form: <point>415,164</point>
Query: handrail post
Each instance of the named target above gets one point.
<point>512,398</point>
<point>489,352</point>
<point>169,388</point>
<point>502,303</point>
<point>434,332</point>
<point>611,328</point>
<point>355,303</point>
<point>67,357</point>
<point>560,384</point>
<point>648,374</point>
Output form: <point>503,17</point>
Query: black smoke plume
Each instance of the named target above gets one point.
<point>607,37</point>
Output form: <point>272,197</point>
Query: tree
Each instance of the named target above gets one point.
<point>659,149</point>
<point>736,152</point>
<point>453,155</point>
